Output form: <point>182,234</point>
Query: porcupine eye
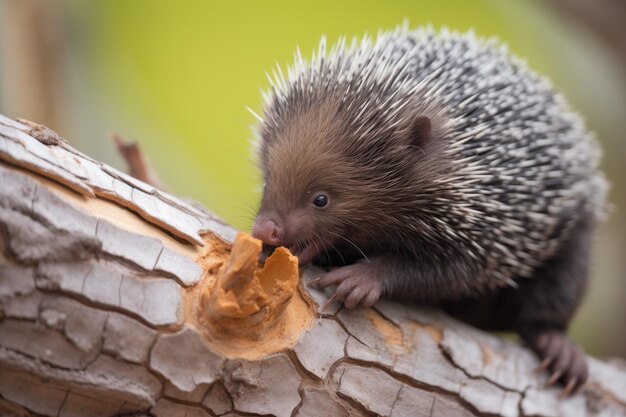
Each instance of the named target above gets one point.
<point>320,201</point>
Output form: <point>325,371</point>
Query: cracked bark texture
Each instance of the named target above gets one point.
<point>95,267</point>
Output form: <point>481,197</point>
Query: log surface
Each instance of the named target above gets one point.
<point>95,268</point>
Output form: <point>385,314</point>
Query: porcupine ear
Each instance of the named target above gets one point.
<point>421,131</point>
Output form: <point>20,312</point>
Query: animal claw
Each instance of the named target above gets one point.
<point>315,282</point>
<point>561,357</point>
<point>328,302</point>
<point>554,377</point>
<point>569,388</point>
<point>543,365</point>
<point>356,284</point>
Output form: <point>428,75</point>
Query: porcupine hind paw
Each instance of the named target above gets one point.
<point>565,361</point>
<point>356,284</point>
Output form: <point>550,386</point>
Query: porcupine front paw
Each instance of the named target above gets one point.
<point>565,361</point>
<point>356,284</point>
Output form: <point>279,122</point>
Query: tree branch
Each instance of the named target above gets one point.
<point>102,282</point>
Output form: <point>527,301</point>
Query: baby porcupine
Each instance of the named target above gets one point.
<point>435,167</point>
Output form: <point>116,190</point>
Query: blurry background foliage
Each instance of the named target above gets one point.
<point>176,76</point>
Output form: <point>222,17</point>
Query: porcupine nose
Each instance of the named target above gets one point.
<point>267,231</point>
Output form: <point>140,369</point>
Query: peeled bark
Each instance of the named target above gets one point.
<point>108,292</point>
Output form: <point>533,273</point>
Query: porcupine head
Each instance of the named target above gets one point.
<point>349,156</point>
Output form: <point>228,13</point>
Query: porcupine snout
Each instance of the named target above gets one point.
<point>267,231</point>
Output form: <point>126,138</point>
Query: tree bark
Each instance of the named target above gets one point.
<point>102,282</point>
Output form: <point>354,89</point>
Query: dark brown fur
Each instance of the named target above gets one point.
<point>402,221</point>
<point>380,192</point>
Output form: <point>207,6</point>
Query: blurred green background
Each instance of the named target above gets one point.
<point>176,76</point>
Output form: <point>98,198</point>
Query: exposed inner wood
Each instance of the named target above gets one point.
<point>391,332</point>
<point>246,311</point>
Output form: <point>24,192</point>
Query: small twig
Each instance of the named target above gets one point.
<point>138,166</point>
